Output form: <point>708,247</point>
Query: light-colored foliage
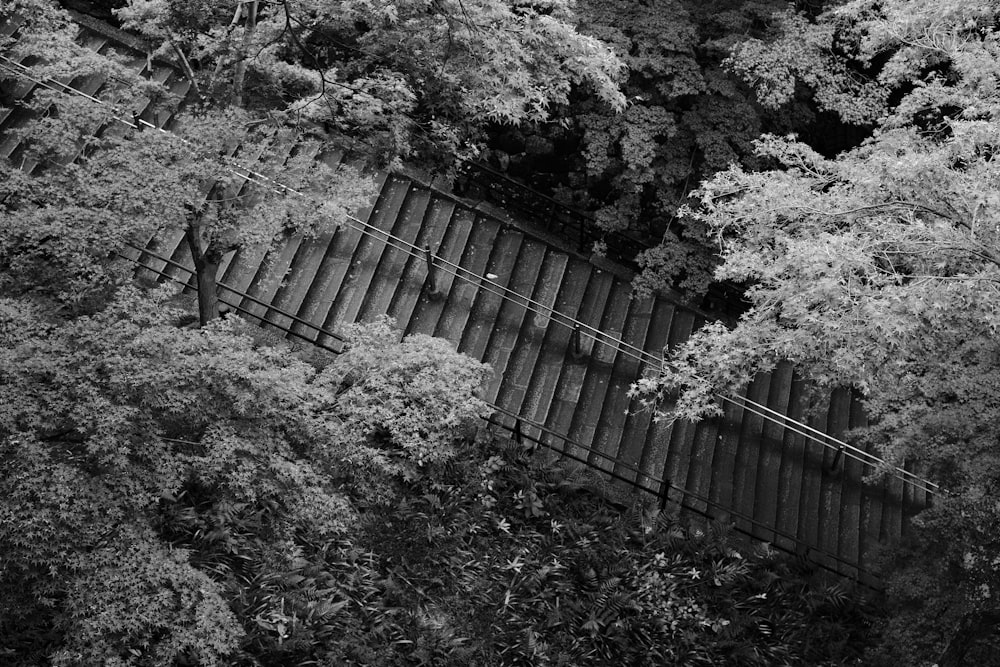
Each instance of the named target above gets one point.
<point>109,422</point>
<point>97,180</point>
<point>415,398</point>
<point>878,269</point>
<point>396,74</point>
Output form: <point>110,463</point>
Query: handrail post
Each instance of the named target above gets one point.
<point>138,123</point>
<point>576,345</point>
<point>431,272</point>
<point>518,432</point>
<point>838,455</point>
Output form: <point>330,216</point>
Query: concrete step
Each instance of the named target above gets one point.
<point>430,303</point>
<point>274,271</point>
<point>678,439</point>
<point>667,451</point>
<point>516,324</point>
<point>358,274</point>
<point>637,423</point>
<point>333,266</point>
<point>477,327</point>
<point>171,245</point>
<point>610,425</point>
<point>852,539</point>
<point>766,505</point>
<point>811,484</point>
<point>703,463</point>
<point>570,382</point>
<point>540,386</point>
<point>17,116</point>
<point>602,356</point>
<point>304,266</point>
<point>484,236</point>
<point>832,480</point>
<point>542,343</point>
<point>790,471</point>
<point>375,300</point>
<point>415,277</point>
<point>751,436</point>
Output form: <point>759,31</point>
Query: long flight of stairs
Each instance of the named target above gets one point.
<point>569,388</point>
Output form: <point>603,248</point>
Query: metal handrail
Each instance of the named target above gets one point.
<point>841,448</point>
<point>516,431</point>
<point>838,446</point>
<point>321,331</point>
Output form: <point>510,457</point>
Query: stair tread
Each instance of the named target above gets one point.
<point>852,538</point>
<point>357,274</point>
<point>679,438</point>
<point>811,481</point>
<point>751,436</point>
<point>601,360</point>
<point>515,342</point>
<point>540,376</point>
<point>415,275</point>
<point>430,305</point>
<point>477,329</point>
<point>724,457</point>
<point>637,423</point>
<point>374,301</point>
<point>325,283</point>
<point>613,412</point>
<point>766,506</point>
<point>566,390</point>
<point>832,486</point>
<point>792,465</point>
<point>475,259</point>
<point>666,453</point>
<point>305,265</point>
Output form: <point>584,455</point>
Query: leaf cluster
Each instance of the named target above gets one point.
<point>157,480</point>
<point>404,77</point>
<point>531,564</point>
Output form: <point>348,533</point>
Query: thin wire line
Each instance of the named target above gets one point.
<point>620,345</point>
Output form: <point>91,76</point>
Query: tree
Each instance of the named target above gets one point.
<point>127,185</point>
<point>688,116</point>
<point>152,472</point>
<point>877,269</point>
<point>401,76</point>
<point>486,58</point>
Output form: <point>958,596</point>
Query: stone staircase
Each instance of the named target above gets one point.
<point>566,338</point>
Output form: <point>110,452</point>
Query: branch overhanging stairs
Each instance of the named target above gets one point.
<point>760,467</point>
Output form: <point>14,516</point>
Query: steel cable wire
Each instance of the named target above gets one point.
<point>840,447</point>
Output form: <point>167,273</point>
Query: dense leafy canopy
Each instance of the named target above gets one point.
<point>878,268</point>
<point>125,185</point>
<point>401,76</point>
<point>172,495</point>
<point>688,116</point>
<point>112,423</point>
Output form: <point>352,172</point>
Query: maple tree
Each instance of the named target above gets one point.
<point>877,269</point>
<point>121,432</point>
<point>478,61</point>
<point>226,179</point>
<point>403,76</point>
<point>688,116</point>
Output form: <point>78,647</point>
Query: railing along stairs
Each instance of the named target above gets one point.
<point>516,426</point>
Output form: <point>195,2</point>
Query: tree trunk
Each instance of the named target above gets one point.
<point>208,297</point>
<point>206,268</point>
<point>972,628</point>
<point>240,75</point>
